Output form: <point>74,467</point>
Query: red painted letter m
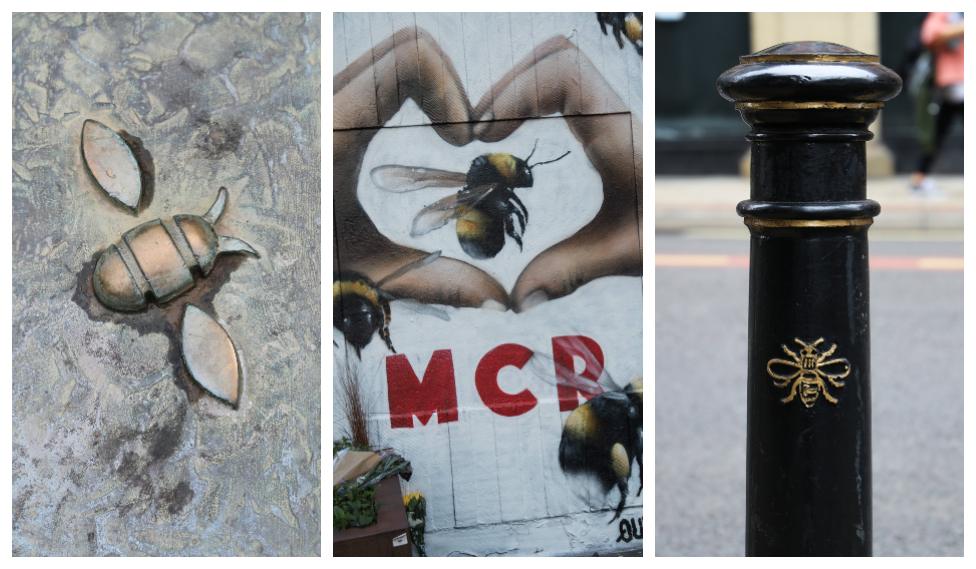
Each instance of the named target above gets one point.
<point>410,397</point>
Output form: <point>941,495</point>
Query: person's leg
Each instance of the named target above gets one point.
<point>943,122</point>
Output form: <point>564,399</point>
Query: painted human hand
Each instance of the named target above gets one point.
<point>559,79</point>
<point>407,65</point>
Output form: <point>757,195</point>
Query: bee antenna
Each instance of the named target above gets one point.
<point>527,158</point>
<point>531,166</point>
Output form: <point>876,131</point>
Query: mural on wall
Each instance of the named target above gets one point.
<point>498,242</point>
<point>629,24</point>
<point>486,207</point>
<point>603,437</point>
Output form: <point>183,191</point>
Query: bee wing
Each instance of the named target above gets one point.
<point>421,308</point>
<point>591,361</point>
<point>835,369</point>
<point>413,265</point>
<point>210,355</point>
<point>437,214</point>
<point>783,370</point>
<point>112,163</point>
<point>397,178</point>
<point>545,368</point>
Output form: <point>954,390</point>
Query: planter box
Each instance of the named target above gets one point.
<point>388,537</point>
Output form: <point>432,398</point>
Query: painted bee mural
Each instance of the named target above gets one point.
<point>360,307</point>
<point>486,208</point>
<point>603,437</point>
<point>630,23</point>
<point>808,371</point>
<point>420,166</point>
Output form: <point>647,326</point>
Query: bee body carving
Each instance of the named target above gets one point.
<point>160,259</point>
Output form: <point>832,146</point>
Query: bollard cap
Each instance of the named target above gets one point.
<point>808,75</point>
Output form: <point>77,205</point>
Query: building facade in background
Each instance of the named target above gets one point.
<point>694,132</point>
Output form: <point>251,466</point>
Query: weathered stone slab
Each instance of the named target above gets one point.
<point>116,451</point>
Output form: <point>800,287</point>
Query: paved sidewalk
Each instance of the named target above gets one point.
<point>708,202</point>
<point>917,387</point>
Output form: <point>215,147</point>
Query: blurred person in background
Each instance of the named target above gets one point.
<point>940,100</point>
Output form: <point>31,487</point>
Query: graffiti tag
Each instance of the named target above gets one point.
<point>631,529</point>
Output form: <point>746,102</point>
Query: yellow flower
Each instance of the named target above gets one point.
<point>412,496</point>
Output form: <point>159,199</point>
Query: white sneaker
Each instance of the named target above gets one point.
<point>927,189</point>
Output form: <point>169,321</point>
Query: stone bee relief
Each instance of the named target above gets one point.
<point>157,261</point>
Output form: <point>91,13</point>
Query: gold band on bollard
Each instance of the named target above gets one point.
<point>751,221</point>
<point>812,57</point>
<point>803,105</point>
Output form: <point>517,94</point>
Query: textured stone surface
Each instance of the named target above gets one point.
<point>115,450</point>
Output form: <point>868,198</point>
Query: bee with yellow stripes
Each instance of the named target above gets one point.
<point>486,208</point>
<point>630,23</point>
<point>603,438</point>
<point>360,307</point>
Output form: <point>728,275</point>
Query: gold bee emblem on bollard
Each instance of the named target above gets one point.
<point>808,371</point>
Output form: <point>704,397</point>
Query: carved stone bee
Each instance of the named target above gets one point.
<point>158,260</point>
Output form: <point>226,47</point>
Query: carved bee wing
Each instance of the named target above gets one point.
<point>783,371</point>
<point>835,369</point>
<point>112,163</point>
<point>397,178</point>
<point>437,214</point>
<point>210,355</point>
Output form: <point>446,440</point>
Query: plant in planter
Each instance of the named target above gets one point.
<point>354,502</point>
<point>357,467</point>
<point>353,506</point>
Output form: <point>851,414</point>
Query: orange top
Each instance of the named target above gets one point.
<point>949,69</point>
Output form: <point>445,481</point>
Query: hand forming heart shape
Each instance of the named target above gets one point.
<point>555,79</point>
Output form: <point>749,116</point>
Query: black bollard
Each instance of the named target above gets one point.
<point>808,455</point>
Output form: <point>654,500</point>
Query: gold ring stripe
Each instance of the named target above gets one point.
<point>803,105</point>
<point>816,57</point>
<point>807,223</point>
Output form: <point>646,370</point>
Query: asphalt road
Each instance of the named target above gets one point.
<point>917,390</point>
